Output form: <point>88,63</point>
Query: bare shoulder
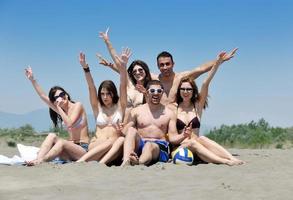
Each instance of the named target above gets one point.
<point>170,110</point>
<point>180,75</point>
<point>137,109</point>
<point>78,104</point>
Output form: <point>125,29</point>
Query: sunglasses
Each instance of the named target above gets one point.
<point>153,91</point>
<point>186,89</point>
<point>62,95</point>
<point>135,71</point>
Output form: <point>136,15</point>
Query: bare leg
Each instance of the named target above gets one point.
<point>62,148</point>
<point>150,151</point>
<point>217,149</point>
<point>114,152</point>
<point>131,142</point>
<point>46,146</point>
<point>97,152</point>
<point>205,154</point>
<point>73,151</point>
<point>48,143</point>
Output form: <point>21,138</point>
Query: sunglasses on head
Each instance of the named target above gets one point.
<point>153,91</point>
<point>62,94</point>
<point>186,89</point>
<point>139,70</point>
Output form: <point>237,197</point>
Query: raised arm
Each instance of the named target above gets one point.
<point>74,116</point>
<point>38,89</point>
<point>121,63</point>
<point>106,63</point>
<point>205,85</point>
<point>91,85</point>
<point>105,37</point>
<point>196,72</point>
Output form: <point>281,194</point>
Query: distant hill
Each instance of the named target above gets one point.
<point>40,121</point>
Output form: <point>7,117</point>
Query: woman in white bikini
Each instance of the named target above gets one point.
<point>189,111</point>
<point>109,111</point>
<point>63,111</point>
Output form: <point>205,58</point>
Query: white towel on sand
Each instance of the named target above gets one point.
<point>27,153</point>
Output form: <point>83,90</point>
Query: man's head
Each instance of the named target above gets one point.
<point>155,91</point>
<point>165,63</point>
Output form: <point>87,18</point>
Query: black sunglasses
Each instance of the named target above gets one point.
<point>62,94</point>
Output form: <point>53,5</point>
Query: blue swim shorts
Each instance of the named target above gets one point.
<point>163,145</point>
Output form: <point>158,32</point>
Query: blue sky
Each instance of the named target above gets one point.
<point>48,35</point>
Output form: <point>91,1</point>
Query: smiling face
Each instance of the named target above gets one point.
<point>165,65</point>
<point>138,73</point>
<point>186,91</point>
<point>154,94</point>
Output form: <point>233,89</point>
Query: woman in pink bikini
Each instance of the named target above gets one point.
<point>63,111</point>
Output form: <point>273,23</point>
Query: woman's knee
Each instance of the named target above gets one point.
<point>60,142</point>
<point>53,137</point>
<point>192,144</point>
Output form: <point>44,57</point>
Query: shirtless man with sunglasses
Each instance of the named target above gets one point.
<point>147,128</point>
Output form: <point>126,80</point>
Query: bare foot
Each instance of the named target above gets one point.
<point>133,158</point>
<point>234,161</point>
<point>34,162</point>
<point>237,161</point>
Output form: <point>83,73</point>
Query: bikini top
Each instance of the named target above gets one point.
<point>101,121</point>
<point>195,123</point>
<point>77,124</point>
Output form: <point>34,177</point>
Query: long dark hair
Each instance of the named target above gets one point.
<point>195,94</point>
<point>110,86</point>
<point>145,68</point>
<point>55,117</point>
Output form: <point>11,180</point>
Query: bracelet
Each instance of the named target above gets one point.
<point>86,70</point>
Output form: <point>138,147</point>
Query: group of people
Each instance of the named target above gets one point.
<point>151,116</point>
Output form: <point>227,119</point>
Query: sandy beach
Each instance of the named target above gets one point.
<point>267,174</point>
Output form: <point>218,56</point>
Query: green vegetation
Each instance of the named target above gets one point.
<point>253,135</point>
<point>26,134</point>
